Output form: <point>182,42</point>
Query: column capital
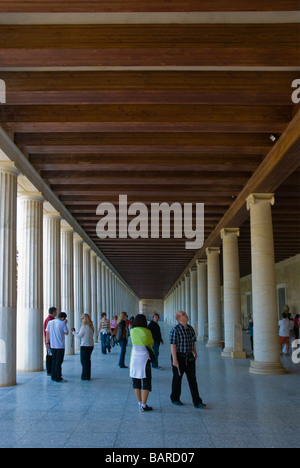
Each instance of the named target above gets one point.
<point>34,196</point>
<point>9,166</point>
<point>86,246</point>
<point>256,198</point>
<point>229,231</point>
<point>212,250</point>
<point>65,228</point>
<point>52,214</point>
<point>77,237</point>
<point>201,261</point>
<point>93,253</point>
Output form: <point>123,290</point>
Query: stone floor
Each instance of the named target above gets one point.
<point>243,410</point>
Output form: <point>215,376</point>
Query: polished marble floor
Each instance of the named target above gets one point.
<point>242,411</point>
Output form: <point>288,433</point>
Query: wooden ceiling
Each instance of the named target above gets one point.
<point>159,111</point>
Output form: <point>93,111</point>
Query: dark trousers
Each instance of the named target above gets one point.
<point>188,368</point>
<point>123,344</point>
<point>49,362</point>
<point>57,360</point>
<point>85,358</point>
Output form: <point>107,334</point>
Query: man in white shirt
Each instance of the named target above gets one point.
<point>56,332</point>
<point>284,332</point>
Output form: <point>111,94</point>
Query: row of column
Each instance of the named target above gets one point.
<point>199,292</point>
<point>54,267</point>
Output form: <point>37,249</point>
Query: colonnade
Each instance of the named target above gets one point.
<point>198,293</point>
<point>54,267</point>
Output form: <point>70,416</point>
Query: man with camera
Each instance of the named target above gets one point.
<point>184,354</point>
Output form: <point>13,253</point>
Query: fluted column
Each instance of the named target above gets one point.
<point>265,319</point>
<point>187,285</point>
<point>30,283</point>
<point>78,283</point>
<point>94,292</point>
<point>67,282</point>
<point>194,299</point>
<point>87,306</point>
<point>202,299</point>
<point>214,297</point>
<point>51,262</point>
<point>8,281</point>
<point>99,291</point>
<point>107,298</point>
<point>232,290</point>
<point>103,287</point>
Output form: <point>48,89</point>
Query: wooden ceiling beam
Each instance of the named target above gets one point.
<point>130,6</point>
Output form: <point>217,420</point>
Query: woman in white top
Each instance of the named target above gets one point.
<point>86,335</point>
<point>140,367</point>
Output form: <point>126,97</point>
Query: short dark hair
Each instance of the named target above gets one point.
<point>156,314</point>
<point>62,315</point>
<point>140,321</point>
<point>52,310</point>
<point>104,314</point>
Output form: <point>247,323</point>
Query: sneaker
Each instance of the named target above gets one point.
<point>200,405</point>
<point>177,403</point>
<point>146,408</point>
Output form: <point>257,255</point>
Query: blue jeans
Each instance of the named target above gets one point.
<point>123,344</point>
<point>105,342</point>
<point>155,348</point>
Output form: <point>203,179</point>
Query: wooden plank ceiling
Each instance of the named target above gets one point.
<point>160,112</point>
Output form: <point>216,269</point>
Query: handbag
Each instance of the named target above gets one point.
<point>119,334</point>
<point>152,356</point>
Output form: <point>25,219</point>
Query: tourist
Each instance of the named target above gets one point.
<point>296,326</point>
<point>105,330</point>
<point>114,328</point>
<point>140,366</point>
<point>284,333</point>
<point>156,333</point>
<point>251,331</point>
<point>122,338</point>
<point>51,316</point>
<point>184,354</point>
<point>55,337</point>
<point>86,335</point>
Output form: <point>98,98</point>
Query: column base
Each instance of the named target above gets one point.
<point>202,338</point>
<point>214,344</point>
<point>238,355</point>
<point>227,352</point>
<point>267,368</point>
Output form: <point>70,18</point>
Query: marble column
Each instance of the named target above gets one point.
<point>202,299</point>
<point>107,286</point>
<point>187,285</point>
<point>51,262</point>
<point>67,282</point>
<point>87,306</point>
<point>214,297</point>
<point>103,287</point>
<point>99,290</point>
<point>94,293</point>
<point>232,290</point>
<point>265,319</point>
<point>78,284</point>
<point>8,273</point>
<point>194,299</point>
<point>30,283</point>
